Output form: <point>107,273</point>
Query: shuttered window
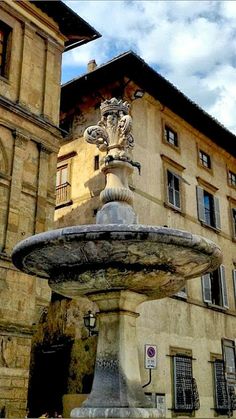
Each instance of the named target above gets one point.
<point>234,281</point>
<point>185,389</point>
<point>214,288</point>
<point>173,189</point>
<point>182,293</point>
<point>208,208</point>
<point>234,221</point>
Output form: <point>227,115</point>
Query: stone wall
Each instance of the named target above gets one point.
<point>29,141</point>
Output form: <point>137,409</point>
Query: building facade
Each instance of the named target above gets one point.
<point>33,36</point>
<point>188,182</point>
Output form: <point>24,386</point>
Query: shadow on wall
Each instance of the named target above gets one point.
<point>85,212</point>
<point>62,357</point>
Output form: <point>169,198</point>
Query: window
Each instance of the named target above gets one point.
<point>214,288</point>
<point>62,185</point>
<point>234,221</point>
<point>234,281</point>
<point>204,159</point>
<point>182,293</point>
<point>232,178</point>
<point>170,136</point>
<point>5,32</point>
<point>208,208</point>
<point>221,393</point>
<point>96,162</point>
<point>186,397</point>
<point>173,189</point>
<point>228,349</point>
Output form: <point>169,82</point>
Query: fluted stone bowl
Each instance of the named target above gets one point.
<point>81,260</point>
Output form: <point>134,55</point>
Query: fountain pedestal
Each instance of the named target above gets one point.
<point>117,389</point>
<point>118,264</point>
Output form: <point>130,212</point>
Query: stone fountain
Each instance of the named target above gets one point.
<point>118,264</point>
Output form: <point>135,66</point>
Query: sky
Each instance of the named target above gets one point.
<point>191,43</point>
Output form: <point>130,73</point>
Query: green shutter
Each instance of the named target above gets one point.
<point>225,302</point>
<point>234,281</point>
<point>200,204</point>
<point>217,212</point>
<point>206,288</point>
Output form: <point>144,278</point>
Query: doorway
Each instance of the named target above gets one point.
<point>49,378</point>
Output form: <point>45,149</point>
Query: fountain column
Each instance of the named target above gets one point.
<point>117,390</point>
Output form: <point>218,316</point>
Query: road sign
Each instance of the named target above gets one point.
<point>150,356</point>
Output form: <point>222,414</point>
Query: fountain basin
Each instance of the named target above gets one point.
<point>83,260</point>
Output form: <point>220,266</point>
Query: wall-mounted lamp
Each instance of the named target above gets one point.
<point>138,94</point>
<point>90,323</point>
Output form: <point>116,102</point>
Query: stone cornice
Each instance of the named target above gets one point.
<point>26,114</point>
<point>16,329</point>
<point>202,182</point>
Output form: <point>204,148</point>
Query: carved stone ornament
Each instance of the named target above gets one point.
<point>21,140</point>
<point>113,133</point>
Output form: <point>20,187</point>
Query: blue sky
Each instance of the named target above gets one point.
<point>191,43</point>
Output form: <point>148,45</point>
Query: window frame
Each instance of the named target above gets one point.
<point>168,130</point>
<point>231,182</point>
<point>214,208</point>
<point>65,160</point>
<point>203,158</point>
<point>220,385</point>
<point>175,192</point>
<point>233,221</point>
<point>179,391</point>
<point>96,162</point>
<point>207,281</point>
<point>6,50</point>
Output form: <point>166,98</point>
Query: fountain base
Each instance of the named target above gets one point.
<point>115,412</point>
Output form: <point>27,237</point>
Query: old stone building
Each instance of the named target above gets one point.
<point>188,181</point>
<point>33,36</point>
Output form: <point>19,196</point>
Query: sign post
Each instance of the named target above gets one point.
<point>150,360</point>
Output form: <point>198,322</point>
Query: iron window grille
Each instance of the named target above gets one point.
<point>221,393</point>
<point>186,398</point>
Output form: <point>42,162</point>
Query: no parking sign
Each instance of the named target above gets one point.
<point>150,356</point>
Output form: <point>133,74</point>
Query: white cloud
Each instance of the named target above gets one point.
<point>192,43</point>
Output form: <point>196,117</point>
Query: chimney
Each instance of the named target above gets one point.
<point>92,65</point>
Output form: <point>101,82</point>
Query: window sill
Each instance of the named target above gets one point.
<point>64,204</point>
<point>173,208</point>
<point>174,147</point>
<point>216,230</point>
<point>182,413</point>
<point>5,79</point>
<point>180,297</point>
<point>217,308</point>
